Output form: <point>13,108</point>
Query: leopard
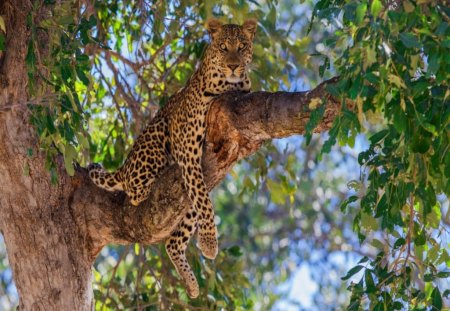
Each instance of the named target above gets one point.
<point>176,135</point>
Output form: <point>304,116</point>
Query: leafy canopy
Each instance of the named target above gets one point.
<point>395,69</point>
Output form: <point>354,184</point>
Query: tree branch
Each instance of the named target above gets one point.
<point>238,125</point>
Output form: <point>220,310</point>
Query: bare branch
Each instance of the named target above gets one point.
<point>114,98</point>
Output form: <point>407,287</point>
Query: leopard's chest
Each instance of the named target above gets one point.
<point>187,124</point>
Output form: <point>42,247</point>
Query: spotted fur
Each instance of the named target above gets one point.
<point>176,134</point>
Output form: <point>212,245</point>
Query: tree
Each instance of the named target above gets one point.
<point>59,104</point>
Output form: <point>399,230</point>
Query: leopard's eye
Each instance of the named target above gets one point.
<point>223,47</point>
<point>241,46</point>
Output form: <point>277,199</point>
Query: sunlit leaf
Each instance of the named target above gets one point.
<point>376,7</point>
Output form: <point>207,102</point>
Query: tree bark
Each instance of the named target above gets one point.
<point>53,233</point>
<point>46,249</point>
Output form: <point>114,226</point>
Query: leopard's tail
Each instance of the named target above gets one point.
<point>103,179</point>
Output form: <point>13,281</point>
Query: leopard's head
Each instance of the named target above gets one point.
<point>231,48</point>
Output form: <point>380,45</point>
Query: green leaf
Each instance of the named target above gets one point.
<point>360,12</point>
<point>436,299</point>
<point>82,58</point>
<point>368,222</point>
<point>370,284</point>
<point>69,155</point>
<point>446,43</point>
<point>434,217</point>
<point>82,76</point>
<point>235,251</point>
<point>446,293</point>
<point>69,166</point>
<point>420,239</point>
<point>2,41</point>
<point>428,277</point>
<point>64,20</point>
<point>315,117</point>
<point>372,78</point>
<point>376,7</point>
<point>398,305</point>
<point>333,90</point>
<point>429,127</point>
<point>377,137</point>
<point>352,272</point>
<point>364,259</point>
<point>348,201</point>
<point>277,192</point>
<point>400,242</point>
<point>420,144</point>
<point>324,66</point>
<point>433,64</point>
<point>371,57</point>
<point>379,307</point>
<point>410,40</point>
<point>443,274</point>
<point>331,141</point>
<point>408,6</point>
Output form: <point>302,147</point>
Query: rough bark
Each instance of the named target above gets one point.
<point>46,250</point>
<point>54,232</point>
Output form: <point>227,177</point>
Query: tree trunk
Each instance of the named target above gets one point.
<point>54,232</point>
<point>46,249</point>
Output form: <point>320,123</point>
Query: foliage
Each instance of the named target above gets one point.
<point>395,69</point>
<point>145,278</point>
<point>99,69</point>
<point>58,114</point>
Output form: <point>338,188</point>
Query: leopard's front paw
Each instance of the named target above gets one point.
<point>207,243</point>
<point>94,167</point>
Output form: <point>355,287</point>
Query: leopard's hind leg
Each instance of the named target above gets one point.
<point>103,179</point>
<point>207,230</point>
<point>176,246</point>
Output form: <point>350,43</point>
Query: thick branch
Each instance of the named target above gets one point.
<point>237,126</point>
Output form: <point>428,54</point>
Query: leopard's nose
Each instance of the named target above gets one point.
<point>233,67</point>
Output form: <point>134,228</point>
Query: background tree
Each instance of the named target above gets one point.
<point>88,74</point>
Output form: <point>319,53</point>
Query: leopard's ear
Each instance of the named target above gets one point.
<point>213,26</point>
<point>249,28</point>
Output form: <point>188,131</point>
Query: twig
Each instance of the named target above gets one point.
<point>116,103</point>
<point>132,103</point>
